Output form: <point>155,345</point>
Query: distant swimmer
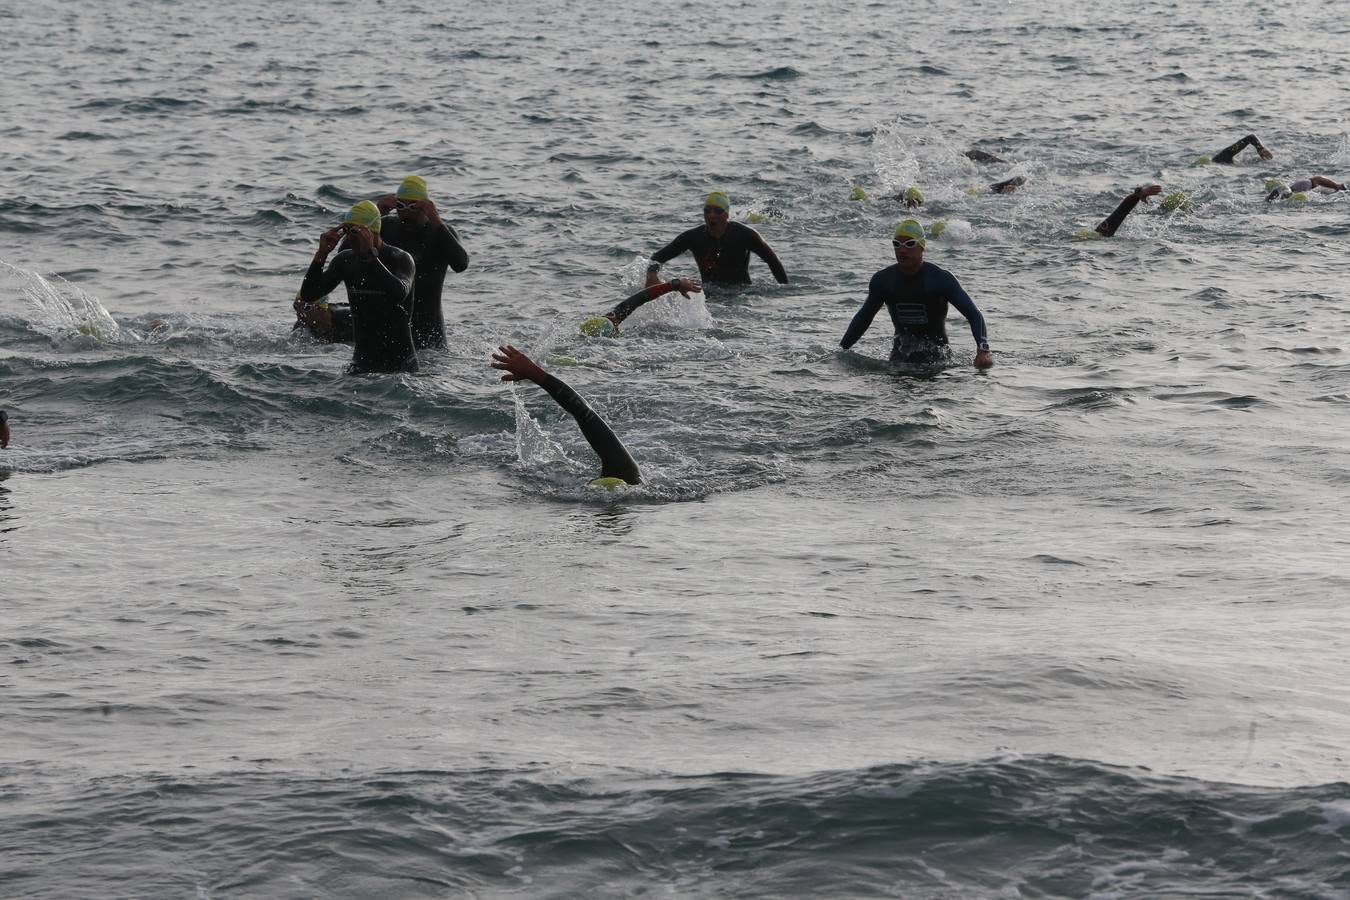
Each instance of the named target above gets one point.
<point>4,429</point>
<point>608,324</point>
<point>916,293</point>
<point>412,224</point>
<point>721,247</point>
<point>379,279</point>
<point>1006,186</point>
<point>1226,155</point>
<point>980,156</point>
<point>1278,190</point>
<point>1108,226</point>
<point>616,464</point>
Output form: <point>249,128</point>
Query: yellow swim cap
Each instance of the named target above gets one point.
<point>911,229</point>
<point>937,228</point>
<point>608,482</point>
<point>364,213</point>
<point>719,200</point>
<point>913,195</point>
<point>598,326</point>
<point>1085,234</point>
<point>857,194</point>
<point>414,187</point>
<point>1202,161</point>
<point>1177,200</point>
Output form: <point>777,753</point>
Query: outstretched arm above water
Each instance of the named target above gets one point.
<point>650,293</point>
<point>615,461</point>
<point>1108,226</point>
<point>1227,153</point>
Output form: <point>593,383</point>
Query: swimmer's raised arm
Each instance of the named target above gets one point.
<point>615,460</point>
<point>650,293</point>
<point>1227,153</point>
<point>1108,226</point>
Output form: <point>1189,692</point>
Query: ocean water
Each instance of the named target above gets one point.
<point>1073,627</point>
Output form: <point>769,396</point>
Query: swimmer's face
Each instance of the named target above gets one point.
<point>908,253</point>
<point>714,215</point>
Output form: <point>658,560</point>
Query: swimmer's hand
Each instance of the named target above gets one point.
<point>984,359</point>
<point>386,203</point>
<point>1148,190</point>
<point>517,365</point>
<point>685,285</point>
<point>1264,153</point>
<point>330,239</point>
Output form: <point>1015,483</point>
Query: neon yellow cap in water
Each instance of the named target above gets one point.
<point>1086,234</point>
<point>913,195</point>
<point>598,326</point>
<point>608,482</point>
<point>937,228</point>
<point>1202,161</point>
<point>364,213</point>
<point>857,193</point>
<point>414,187</point>
<point>1177,200</point>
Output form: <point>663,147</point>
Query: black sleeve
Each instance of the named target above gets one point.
<point>646,295</point>
<point>765,252</point>
<point>393,277</point>
<point>1227,153</point>
<point>672,250</point>
<point>319,282</point>
<point>862,319</point>
<point>450,249</point>
<point>615,461</point>
<point>1108,226</point>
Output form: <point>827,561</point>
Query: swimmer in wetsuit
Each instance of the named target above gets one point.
<point>641,298</point>
<point>4,429</point>
<point>1108,226</point>
<point>721,247</point>
<point>1281,191</point>
<point>916,293</point>
<point>379,280</point>
<point>1226,155</point>
<point>412,224</point>
<point>616,464</point>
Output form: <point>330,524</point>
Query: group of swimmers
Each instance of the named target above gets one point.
<point>396,250</point>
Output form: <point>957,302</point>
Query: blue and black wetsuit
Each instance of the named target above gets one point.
<point>918,307</point>
<point>379,291</point>
<point>615,460</point>
<point>725,259</point>
<point>434,248</point>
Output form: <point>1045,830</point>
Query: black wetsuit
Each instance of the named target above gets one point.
<point>725,259</point>
<point>1107,227</point>
<point>918,307</point>
<point>1009,185</point>
<point>379,289</point>
<point>615,461</point>
<point>981,157</point>
<point>1227,153</point>
<point>646,295</point>
<point>434,248</point>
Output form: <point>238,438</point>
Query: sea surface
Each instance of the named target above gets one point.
<point>1072,627</point>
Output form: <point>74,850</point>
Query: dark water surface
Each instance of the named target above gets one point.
<point>1071,628</point>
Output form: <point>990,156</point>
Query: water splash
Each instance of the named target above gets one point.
<point>63,310</point>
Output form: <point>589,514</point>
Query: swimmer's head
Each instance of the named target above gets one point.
<point>364,213</point>
<point>1275,184</point>
<point>414,187</point>
<point>1297,197</point>
<point>598,326</point>
<point>718,200</point>
<point>1202,161</point>
<point>1177,200</point>
<point>913,197</point>
<point>1086,234</point>
<point>857,194</point>
<point>608,482</point>
<point>937,228</point>
<point>910,230</point>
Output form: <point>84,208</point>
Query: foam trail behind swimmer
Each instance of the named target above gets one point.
<point>63,309</point>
